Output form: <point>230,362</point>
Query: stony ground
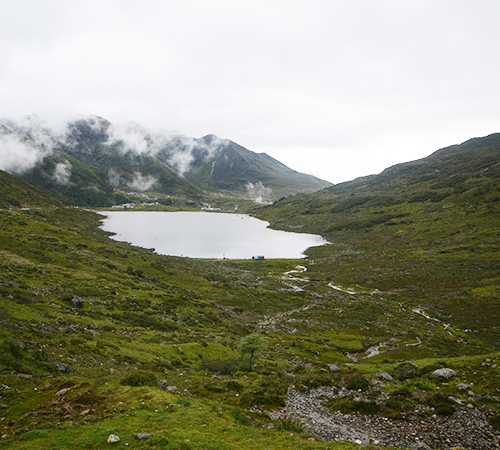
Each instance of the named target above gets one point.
<point>468,428</point>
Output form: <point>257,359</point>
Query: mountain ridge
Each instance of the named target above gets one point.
<point>130,157</point>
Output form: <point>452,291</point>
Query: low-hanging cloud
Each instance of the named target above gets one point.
<point>142,182</point>
<point>114,178</point>
<point>17,154</point>
<point>62,173</point>
<point>177,149</point>
<point>258,192</point>
<point>33,138</point>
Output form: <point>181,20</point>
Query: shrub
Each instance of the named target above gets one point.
<point>441,404</point>
<point>241,418</point>
<point>140,378</point>
<point>221,366</point>
<point>357,382</point>
<point>291,425</point>
<point>405,371</point>
<point>494,421</point>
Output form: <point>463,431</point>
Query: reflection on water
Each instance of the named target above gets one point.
<point>206,235</point>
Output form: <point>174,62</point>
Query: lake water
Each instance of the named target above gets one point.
<point>206,234</point>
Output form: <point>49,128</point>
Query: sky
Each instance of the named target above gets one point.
<point>335,88</point>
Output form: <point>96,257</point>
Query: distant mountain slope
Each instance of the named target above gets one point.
<point>15,193</point>
<point>458,175</point>
<point>235,167</point>
<point>91,162</point>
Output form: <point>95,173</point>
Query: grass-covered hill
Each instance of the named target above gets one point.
<point>427,231</point>
<point>100,338</point>
<point>16,193</point>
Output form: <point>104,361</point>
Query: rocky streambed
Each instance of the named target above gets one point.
<point>467,428</point>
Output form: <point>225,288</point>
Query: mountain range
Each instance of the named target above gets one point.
<point>92,162</point>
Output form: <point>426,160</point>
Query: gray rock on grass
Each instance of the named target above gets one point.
<point>384,376</point>
<point>443,373</point>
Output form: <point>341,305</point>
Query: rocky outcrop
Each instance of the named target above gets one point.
<point>466,428</point>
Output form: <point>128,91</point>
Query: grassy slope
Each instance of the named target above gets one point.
<point>232,167</point>
<point>427,231</point>
<point>182,320</point>
<point>15,193</point>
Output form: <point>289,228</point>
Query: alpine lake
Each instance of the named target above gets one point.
<point>209,235</point>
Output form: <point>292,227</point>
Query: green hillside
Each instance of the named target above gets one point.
<point>233,167</point>
<point>426,230</point>
<point>15,193</point>
<point>100,338</point>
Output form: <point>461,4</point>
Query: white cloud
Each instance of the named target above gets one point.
<point>142,182</point>
<point>347,77</point>
<point>62,173</point>
<point>17,154</point>
<point>258,192</point>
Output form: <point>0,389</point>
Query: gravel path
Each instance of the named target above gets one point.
<point>468,428</point>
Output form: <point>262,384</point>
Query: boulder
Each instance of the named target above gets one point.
<point>62,391</point>
<point>443,373</point>
<point>113,438</point>
<point>77,302</point>
<point>162,384</point>
<point>384,376</point>
<point>62,367</point>
<point>333,368</point>
<point>46,328</point>
<point>142,435</point>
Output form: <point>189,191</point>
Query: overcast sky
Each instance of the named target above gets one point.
<point>335,88</point>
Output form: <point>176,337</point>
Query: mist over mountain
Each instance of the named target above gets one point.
<point>92,162</point>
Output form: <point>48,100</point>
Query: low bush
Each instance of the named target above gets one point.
<point>405,371</point>
<point>220,366</point>
<point>140,378</point>
<point>441,404</point>
<point>357,382</point>
<point>291,425</point>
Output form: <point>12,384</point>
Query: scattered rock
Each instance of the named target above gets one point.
<point>62,391</point>
<point>466,428</point>
<point>46,328</point>
<point>62,367</point>
<point>3,405</point>
<point>443,373</point>
<point>92,326</point>
<point>142,435</point>
<point>171,388</point>
<point>162,384</point>
<point>30,414</point>
<point>420,446</point>
<point>456,400</point>
<point>92,333</point>
<point>77,302</point>
<point>462,386</point>
<point>113,438</point>
<point>333,368</point>
<point>384,376</point>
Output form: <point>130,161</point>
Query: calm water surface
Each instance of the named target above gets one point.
<point>206,234</point>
